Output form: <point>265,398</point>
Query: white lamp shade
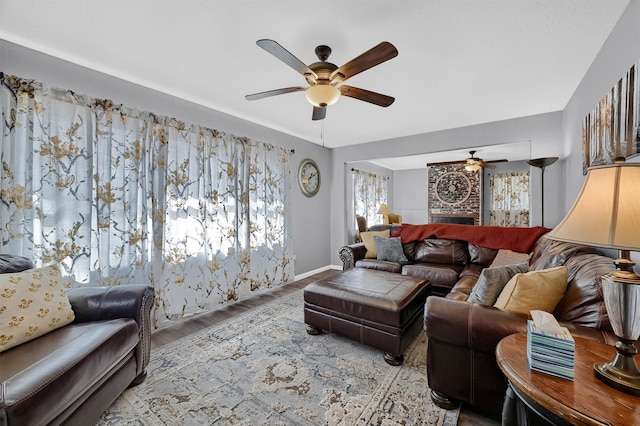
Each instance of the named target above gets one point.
<point>607,211</point>
<point>322,95</point>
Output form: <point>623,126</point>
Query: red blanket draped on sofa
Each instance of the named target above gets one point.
<point>495,237</point>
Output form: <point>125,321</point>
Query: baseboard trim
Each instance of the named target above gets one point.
<point>317,271</point>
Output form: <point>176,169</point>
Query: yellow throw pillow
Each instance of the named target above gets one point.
<point>370,244</point>
<point>541,290</point>
<point>32,303</point>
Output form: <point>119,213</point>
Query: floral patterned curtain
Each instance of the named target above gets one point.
<point>115,195</point>
<point>510,199</point>
<point>369,192</point>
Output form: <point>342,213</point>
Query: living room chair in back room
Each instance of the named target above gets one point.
<point>388,217</point>
<point>362,227</point>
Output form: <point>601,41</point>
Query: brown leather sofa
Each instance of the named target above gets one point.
<point>71,375</point>
<point>442,262</point>
<point>463,336</point>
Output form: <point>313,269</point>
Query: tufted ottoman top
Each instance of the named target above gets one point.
<point>378,296</point>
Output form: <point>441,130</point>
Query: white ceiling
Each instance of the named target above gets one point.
<point>514,151</point>
<point>460,62</point>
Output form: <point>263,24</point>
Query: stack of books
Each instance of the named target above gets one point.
<point>551,353</point>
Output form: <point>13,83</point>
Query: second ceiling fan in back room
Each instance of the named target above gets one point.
<point>470,164</point>
<point>323,77</point>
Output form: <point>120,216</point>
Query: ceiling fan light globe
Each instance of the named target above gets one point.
<point>472,167</point>
<point>322,95</point>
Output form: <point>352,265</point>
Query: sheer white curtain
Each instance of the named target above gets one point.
<point>115,195</point>
<point>509,199</point>
<point>369,192</point>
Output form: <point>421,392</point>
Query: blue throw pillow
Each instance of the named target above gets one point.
<point>390,249</point>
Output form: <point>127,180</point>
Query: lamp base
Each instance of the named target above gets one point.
<point>622,373</point>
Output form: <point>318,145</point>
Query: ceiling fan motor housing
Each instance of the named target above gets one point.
<point>323,52</point>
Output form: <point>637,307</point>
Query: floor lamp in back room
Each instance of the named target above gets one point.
<point>542,163</point>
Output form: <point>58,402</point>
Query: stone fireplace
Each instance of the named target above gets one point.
<point>454,195</point>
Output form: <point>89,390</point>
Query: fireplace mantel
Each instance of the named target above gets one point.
<point>461,218</point>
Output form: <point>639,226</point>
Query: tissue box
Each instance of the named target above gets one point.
<point>550,353</point>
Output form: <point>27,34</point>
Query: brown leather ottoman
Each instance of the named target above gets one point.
<point>380,309</point>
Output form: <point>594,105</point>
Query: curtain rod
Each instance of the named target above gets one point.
<point>372,174</point>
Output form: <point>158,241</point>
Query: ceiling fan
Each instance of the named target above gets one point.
<point>323,76</point>
<point>470,164</point>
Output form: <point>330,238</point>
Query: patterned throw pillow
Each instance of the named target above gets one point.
<point>390,249</point>
<point>32,303</point>
<point>492,281</point>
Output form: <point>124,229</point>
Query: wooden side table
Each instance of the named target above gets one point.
<point>583,401</point>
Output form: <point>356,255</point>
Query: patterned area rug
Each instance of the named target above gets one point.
<point>262,368</point>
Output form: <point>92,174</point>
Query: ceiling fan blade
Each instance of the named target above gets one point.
<point>319,113</point>
<point>445,163</point>
<point>287,57</point>
<point>275,92</point>
<point>366,95</point>
<point>372,57</point>
<point>497,161</point>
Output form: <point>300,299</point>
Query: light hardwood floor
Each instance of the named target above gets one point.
<point>200,322</point>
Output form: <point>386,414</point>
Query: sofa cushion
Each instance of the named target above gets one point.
<point>43,377</point>
<point>481,255</point>
<point>32,303</point>
<point>409,250</point>
<point>509,257</point>
<point>492,281</point>
<point>549,253</point>
<point>370,243</point>
<point>583,302</point>
<point>379,265</point>
<point>438,275</point>
<point>448,252</point>
<point>390,249</point>
<point>540,290</point>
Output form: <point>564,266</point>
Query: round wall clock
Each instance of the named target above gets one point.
<point>309,177</point>
<point>453,188</point>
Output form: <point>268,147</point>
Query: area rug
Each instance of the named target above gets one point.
<point>262,368</point>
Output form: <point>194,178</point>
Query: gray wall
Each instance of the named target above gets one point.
<point>310,218</point>
<point>410,192</point>
<point>619,53</point>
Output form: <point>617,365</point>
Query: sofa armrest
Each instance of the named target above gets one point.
<point>480,327</point>
<point>112,302</point>
<point>471,325</point>
<point>351,254</point>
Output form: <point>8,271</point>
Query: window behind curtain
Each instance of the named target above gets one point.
<point>115,195</point>
<point>369,192</point>
<point>509,199</point>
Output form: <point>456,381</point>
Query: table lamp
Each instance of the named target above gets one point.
<point>607,214</point>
